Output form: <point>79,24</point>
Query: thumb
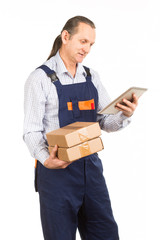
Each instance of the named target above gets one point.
<point>54,151</point>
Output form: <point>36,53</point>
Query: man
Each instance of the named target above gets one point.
<point>71,195</point>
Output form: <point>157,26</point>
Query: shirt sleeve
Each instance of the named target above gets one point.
<point>34,111</point>
<point>109,123</point>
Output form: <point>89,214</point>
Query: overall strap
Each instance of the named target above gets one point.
<point>50,73</point>
<point>88,78</point>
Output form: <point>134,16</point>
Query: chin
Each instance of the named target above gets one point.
<point>80,60</point>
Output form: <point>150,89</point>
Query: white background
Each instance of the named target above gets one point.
<point>126,53</point>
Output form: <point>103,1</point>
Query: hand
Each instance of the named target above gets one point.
<point>53,162</point>
<point>129,107</point>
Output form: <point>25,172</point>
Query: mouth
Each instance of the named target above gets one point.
<point>82,54</point>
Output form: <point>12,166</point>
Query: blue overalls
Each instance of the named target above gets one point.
<point>76,196</point>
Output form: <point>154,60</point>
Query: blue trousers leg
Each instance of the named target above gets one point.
<point>61,194</point>
<point>95,217</point>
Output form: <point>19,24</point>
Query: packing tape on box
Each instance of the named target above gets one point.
<point>85,149</point>
<point>83,135</point>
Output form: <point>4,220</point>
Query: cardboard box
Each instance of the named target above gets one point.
<point>74,134</point>
<point>79,151</point>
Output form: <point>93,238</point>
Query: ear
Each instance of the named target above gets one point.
<point>65,36</point>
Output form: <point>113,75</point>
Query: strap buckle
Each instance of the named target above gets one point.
<point>53,77</point>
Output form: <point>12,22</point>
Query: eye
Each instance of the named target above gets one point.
<point>83,41</point>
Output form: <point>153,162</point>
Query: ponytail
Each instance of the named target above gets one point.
<point>56,46</point>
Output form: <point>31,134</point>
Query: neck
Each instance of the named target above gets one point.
<point>71,66</point>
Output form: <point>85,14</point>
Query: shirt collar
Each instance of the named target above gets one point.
<point>61,68</point>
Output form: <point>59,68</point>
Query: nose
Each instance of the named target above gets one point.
<point>87,48</point>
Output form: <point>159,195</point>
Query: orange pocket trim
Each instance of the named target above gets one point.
<point>69,104</point>
<point>35,163</point>
<point>83,105</point>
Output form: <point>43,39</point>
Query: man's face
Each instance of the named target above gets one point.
<point>79,45</point>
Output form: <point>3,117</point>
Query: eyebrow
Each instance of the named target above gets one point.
<point>87,40</point>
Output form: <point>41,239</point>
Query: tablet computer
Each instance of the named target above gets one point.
<point>110,108</point>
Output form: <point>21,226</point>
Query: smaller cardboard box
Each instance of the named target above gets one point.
<point>82,150</point>
<point>73,134</point>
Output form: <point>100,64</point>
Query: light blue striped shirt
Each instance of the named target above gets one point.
<point>41,105</point>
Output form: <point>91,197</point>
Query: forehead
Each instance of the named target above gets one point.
<point>85,31</point>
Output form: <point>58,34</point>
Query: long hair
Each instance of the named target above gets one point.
<point>71,27</point>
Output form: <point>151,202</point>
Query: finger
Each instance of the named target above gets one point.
<point>63,164</point>
<point>54,151</point>
<point>66,165</point>
<point>127,113</point>
<point>123,108</point>
<point>135,99</point>
<point>129,104</point>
